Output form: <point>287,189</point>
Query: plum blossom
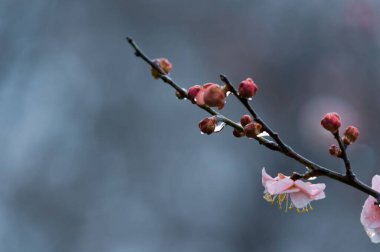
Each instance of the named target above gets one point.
<point>279,189</point>
<point>370,216</point>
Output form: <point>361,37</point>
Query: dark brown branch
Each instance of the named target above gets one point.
<point>255,116</point>
<point>314,169</point>
<point>164,77</point>
<point>344,156</point>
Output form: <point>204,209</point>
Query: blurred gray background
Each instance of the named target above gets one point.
<point>97,156</point>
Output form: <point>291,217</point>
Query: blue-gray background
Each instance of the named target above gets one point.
<point>97,156</point>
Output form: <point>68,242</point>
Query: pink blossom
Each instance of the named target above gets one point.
<point>370,216</point>
<point>301,193</point>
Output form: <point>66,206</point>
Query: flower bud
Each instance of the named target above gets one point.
<point>193,91</point>
<point>350,135</point>
<point>214,95</point>
<point>247,88</point>
<point>245,119</point>
<point>252,129</point>
<point>207,125</point>
<point>335,150</point>
<point>238,133</point>
<point>331,122</point>
<point>164,64</point>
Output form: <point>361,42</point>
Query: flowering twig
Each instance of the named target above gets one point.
<point>246,104</point>
<point>164,77</point>
<point>314,169</point>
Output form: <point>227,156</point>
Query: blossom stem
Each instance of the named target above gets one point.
<point>279,146</point>
<point>343,147</point>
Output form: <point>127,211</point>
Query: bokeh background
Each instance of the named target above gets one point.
<point>97,156</point>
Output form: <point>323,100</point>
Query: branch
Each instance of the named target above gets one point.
<point>164,77</point>
<point>344,156</point>
<point>279,146</point>
<point>246,104</point>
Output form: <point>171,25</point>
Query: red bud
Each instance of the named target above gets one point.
<point>247,88</point>
<point>331,122</point>
<point>193,91</point>
<point>164,64</point>
<point>238,133</point>
<point>207,125</point>
<point>350,135</point>
<point>245,119</point>
<point>251,130</point>
<point>335,150</point>
<point>214,95</point>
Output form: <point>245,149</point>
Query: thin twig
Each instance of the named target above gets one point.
<point>279,146</point>
<point>255,116</point>
<point>347,164</point>
<point>269,144</point>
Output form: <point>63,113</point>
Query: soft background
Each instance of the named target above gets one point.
<point>97,156</point>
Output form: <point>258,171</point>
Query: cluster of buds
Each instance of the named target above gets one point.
<point>214,95</point>
<point>251,129</point>
<point>332,123</point>
<point>290,192</point>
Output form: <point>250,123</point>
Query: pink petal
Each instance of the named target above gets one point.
<point>265,177</point>
<point>278,187</point>
<point>309,188</point>
<point>373,234</point>
<point>319,196</point>
<point>376,182</point>
<point>370,215</point>
<point>300,199</point>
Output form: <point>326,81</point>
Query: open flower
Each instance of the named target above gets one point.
<point>370,216</point>
<point>279,189</point>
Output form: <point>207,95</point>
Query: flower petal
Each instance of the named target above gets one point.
<point>265,176</point>
<point>309,188</point>
<point>300,199</point>
<point>278,187</point>
<point>370,215</point>
<point>376,182</point>
<point>373,234</point>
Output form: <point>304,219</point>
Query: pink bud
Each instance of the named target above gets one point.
<point>238,133</point>
<point>247,88</point>
<point>245,119</point>
<point>331,122</point>
<point>193,91</point>
<point>164,64</point>
<point>251,130</point>
<point>350,135</point>
<point>214,95</point>
<point>207,125</point>
<point>335,150</point>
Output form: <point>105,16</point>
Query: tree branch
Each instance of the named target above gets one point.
<point>344,156</point>
<point>279,146</point>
